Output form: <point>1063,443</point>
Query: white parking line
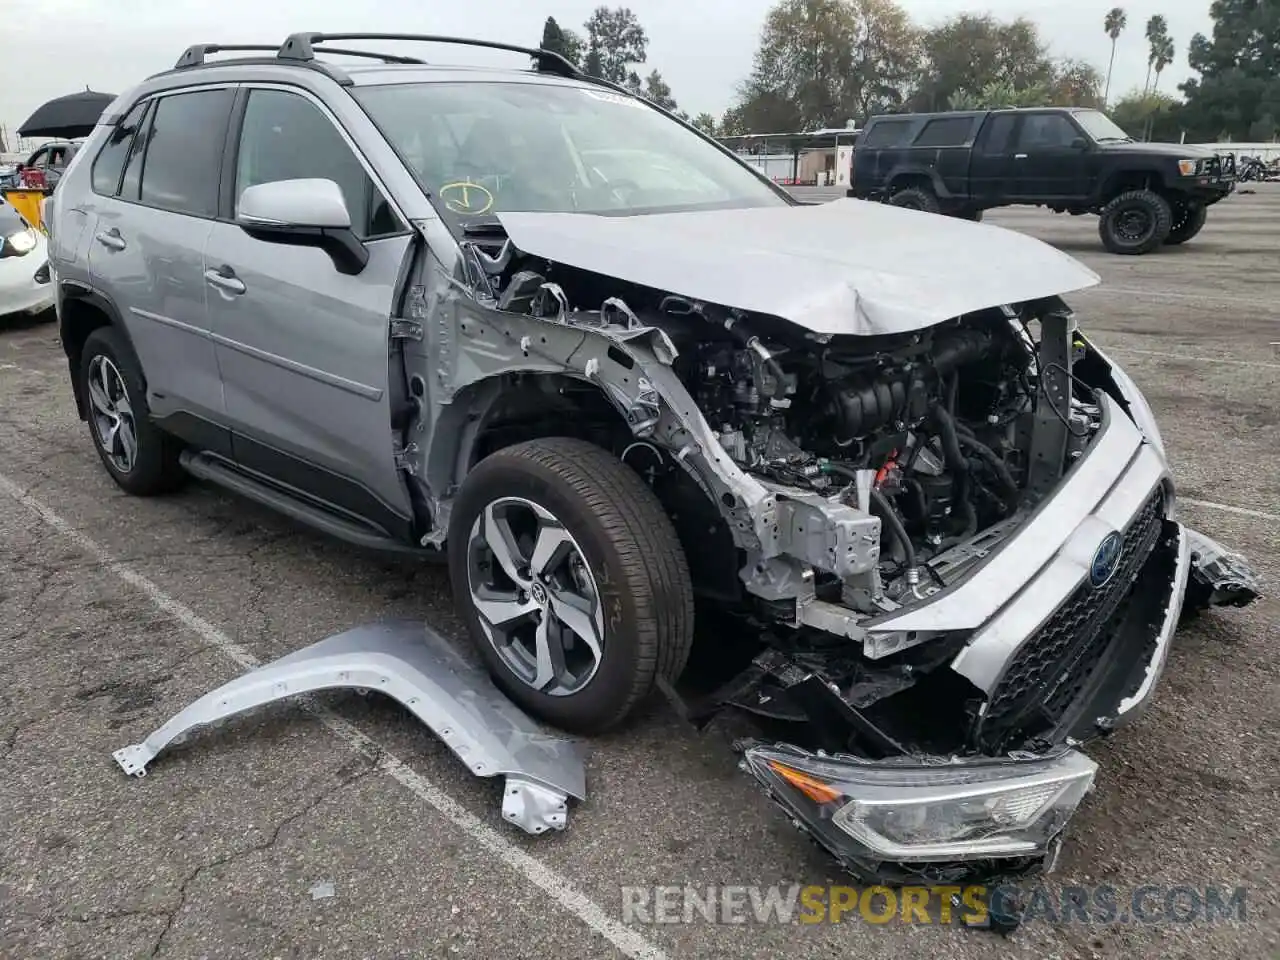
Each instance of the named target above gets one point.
<point>554,885</point>
<point>1184,357</point>
<point>1227,508</point>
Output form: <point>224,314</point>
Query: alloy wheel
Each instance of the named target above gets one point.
<point>112,414</point>
<point>535,596</point>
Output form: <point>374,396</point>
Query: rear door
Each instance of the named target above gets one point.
<point>304,349</point>
<point>991,165</point>
<point>147,247</point>
<point>1048,163</point>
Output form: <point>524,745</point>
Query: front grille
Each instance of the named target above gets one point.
<point>1055,665</point>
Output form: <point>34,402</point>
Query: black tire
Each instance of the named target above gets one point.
<point>1135,222</point>
<point>1188,220</point>
<point>916,198</point>
<point>154,467</point>
<point>630,548</point>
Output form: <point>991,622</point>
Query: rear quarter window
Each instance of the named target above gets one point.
<point>886,133</point>
<point>945,132</point>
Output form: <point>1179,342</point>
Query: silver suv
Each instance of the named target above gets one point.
<point>526,318</point>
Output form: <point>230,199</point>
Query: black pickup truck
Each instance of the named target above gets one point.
<point>1067,159</point>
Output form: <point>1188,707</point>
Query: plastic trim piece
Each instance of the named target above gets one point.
<point>411,663</point>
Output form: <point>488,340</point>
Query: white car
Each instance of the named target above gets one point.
<point>24,265</point>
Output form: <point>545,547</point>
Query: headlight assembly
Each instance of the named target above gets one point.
<point>935,809</point>
<point>22,242</point>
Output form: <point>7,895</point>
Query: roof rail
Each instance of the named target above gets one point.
<point>301,47</point>
<point>194,56</point>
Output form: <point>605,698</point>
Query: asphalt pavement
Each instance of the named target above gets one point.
<point>348,830</point>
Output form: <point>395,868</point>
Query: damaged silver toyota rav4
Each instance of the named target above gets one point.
<point>524,318</point>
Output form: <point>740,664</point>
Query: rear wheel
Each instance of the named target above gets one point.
<point>1188,220</point>
<point>1135,222</point>
<point>140,457</point>
<point>571,581</point>
<point>916,198</point>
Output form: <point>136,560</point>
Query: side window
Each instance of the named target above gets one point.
<point>133,169</point>
<point>994,139</point>
<point>108,165</point>
<point>183,154</point>
<point>286,137</point>
<point>1046,131</point>
<point>945,132</point>
<point>887,133</point>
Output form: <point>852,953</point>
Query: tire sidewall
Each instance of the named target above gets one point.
<point>107,343</point>
<point>919,199</point>
<point>620,646</point>
<point>1188,220</point>
<point>1156,208</point>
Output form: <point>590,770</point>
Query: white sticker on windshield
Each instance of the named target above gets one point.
<point>617,98</point>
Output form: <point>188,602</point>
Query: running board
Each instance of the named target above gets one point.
<point>215,470</point>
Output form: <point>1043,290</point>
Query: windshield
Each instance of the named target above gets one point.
<point>1100,126</point>
<point>483,148</point>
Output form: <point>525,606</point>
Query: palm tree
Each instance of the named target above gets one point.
<point>1157,34</point>
<point>1164,55</point>
<point>1116,20</point>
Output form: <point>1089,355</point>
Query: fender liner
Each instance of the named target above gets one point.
<point>411,663</point>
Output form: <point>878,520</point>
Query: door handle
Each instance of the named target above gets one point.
<point>224,278</point>
<point>111,239</point>
<point>1019,156</point>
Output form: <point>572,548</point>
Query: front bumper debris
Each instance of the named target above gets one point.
<point>911,817</point>
<point>1219,577</point>
<point>411,663</point>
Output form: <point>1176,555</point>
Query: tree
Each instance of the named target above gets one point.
<point>615,41</point>
<point>1152,115</point>
<point>823,63</point>
<point>706,123</point>
<point>657,90</point>
<point>1075,83</point>
<point>559,40</point>
<point>1114,22</point>
<point>1164,55</point>
<point>970,53</point>
<point>1157,38</point>
<point>1239,72</point>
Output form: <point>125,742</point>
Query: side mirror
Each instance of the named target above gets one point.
<point>1079,143</point>
<point>304,213</point>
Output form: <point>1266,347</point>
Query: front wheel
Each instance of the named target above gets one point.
<point>1135,222</point>
<point>140,457</point>
<point>571,580</point>
<point>1188,220</point>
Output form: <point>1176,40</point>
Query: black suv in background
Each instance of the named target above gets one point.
<point>1070,160</point>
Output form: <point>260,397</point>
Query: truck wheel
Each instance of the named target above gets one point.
<point>1188,220</point>
<point>916,198</point>
<point>141,458</point>
<point>571,580</point>
<point>1135,222</point>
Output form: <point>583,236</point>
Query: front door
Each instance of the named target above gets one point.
<point>156,193</point>
<point>303,348</point>
<point>1049,162</point>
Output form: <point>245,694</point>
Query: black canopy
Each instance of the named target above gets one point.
<point>74,115</point>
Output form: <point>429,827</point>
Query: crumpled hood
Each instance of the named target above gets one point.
<point>845,267</point>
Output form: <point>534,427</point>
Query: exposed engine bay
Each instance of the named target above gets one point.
<point>927,432</point>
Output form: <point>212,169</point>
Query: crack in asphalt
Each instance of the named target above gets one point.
<point>171,915</point>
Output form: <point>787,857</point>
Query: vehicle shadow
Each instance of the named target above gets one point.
<point>16,322</point>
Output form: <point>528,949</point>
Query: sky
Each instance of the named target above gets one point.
<point>52,47</point>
